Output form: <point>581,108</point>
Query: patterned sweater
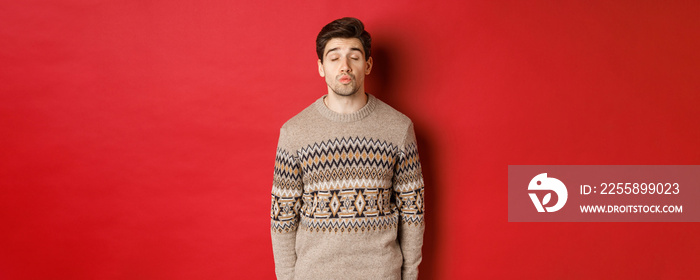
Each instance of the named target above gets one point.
<point>347,195</point>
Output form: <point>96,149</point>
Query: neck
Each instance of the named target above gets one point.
<point>345,104</point>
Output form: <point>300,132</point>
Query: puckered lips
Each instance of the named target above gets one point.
<point>345,79</point>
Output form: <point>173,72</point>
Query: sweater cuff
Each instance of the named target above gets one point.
<point>409,275</point>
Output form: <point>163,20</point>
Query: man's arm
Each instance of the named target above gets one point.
<point>287,189</point>
<point>408,188</point>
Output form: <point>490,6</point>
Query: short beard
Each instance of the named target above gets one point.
<point>345,90</point>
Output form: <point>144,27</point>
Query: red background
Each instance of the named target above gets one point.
<point>138,137</point>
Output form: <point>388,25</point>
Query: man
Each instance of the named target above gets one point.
<point>347,194</point>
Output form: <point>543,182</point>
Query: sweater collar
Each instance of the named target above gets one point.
<point>351,117</point>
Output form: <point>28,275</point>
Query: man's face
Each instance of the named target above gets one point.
<point>344,66</point>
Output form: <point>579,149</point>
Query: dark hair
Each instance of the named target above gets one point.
<point>347,27</point>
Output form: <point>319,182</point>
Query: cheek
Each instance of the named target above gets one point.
<point>362,67</point>
<point>329,78</point>
<point>330,69</point>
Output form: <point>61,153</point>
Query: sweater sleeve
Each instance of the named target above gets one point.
<point>408,189</point>
<point>286,196</point>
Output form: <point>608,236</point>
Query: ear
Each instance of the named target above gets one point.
<point>369,63</point>
<point>320,69</point>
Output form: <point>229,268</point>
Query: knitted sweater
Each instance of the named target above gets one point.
<point>347,195</point>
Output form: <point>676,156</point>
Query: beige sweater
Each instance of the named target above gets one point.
<point>347,195</point>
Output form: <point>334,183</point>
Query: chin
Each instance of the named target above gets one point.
<point>344,93</point>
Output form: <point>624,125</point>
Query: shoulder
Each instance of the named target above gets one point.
<point>293,131</point>
<point>398,123</point>
<point>301,119</point>
<point>391,116</point>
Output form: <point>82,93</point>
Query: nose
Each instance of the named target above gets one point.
<point>345,66</point>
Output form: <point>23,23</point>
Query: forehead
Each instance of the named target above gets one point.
<point>343,44</point>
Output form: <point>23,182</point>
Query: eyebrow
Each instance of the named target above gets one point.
<point>329,51</point>
<point>351,49</point>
